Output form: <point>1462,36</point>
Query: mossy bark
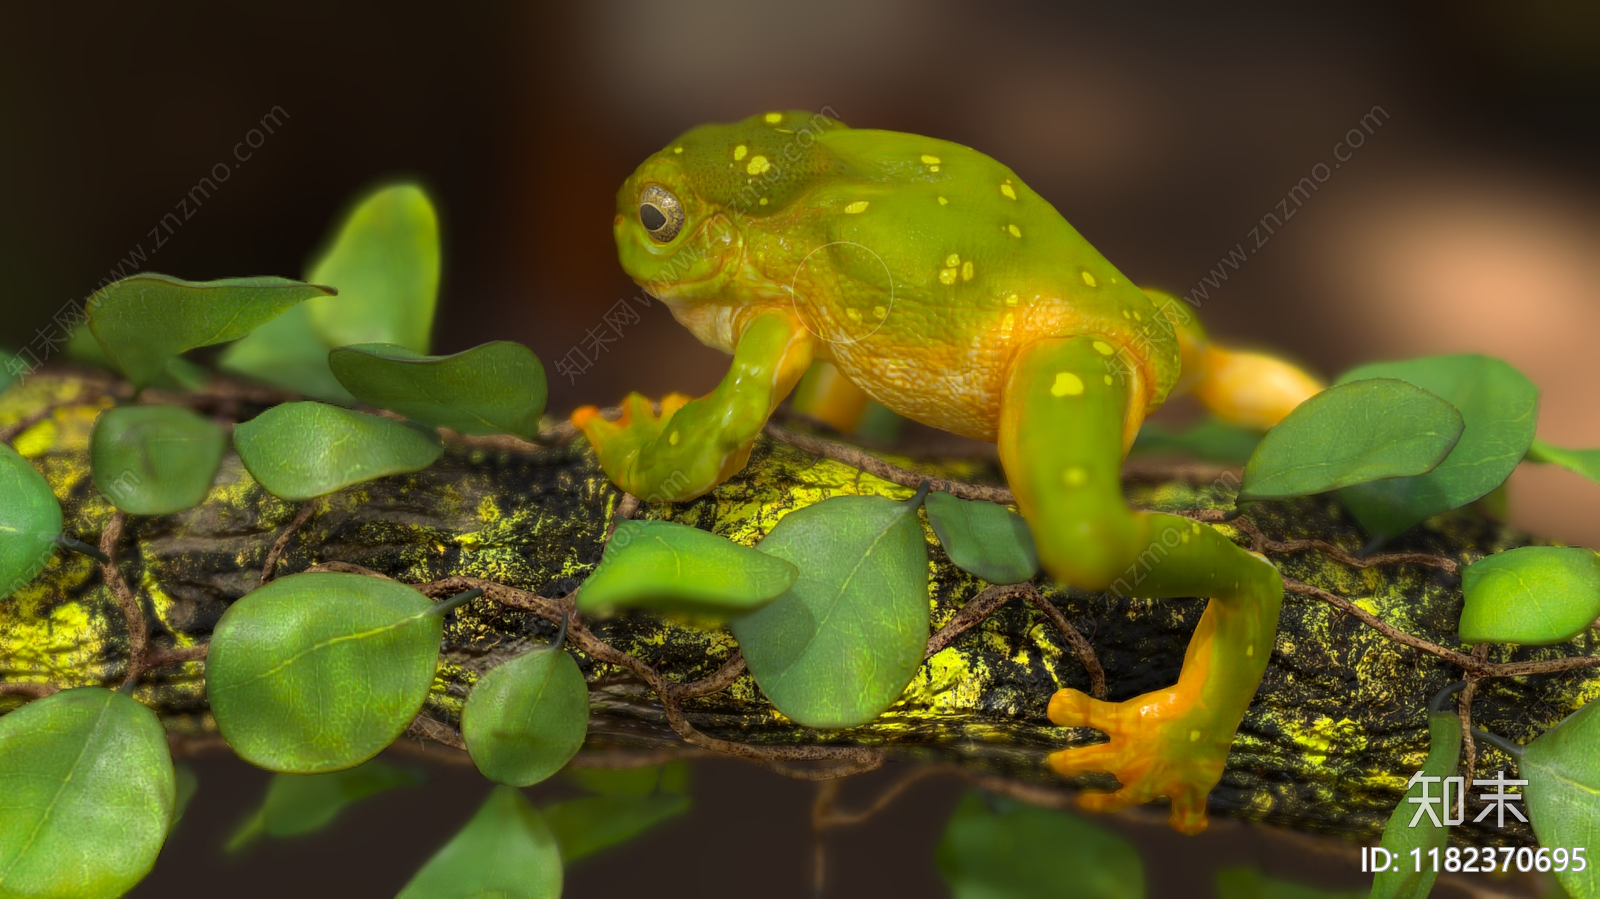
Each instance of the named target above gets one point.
<point>1337,727</point>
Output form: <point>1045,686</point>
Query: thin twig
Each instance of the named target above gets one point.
<point>269,570</point>
<point>160,657</point>
<point>1261,543</point>
<point>905,477</point>
<point>29,689</point>
<point>976,610</point>
<point>1464,709</point>
<point>1091,662</point>
<point>1472,665</point>
<point>843,760</point>
<point>132,612</point>
<point>825,816</point>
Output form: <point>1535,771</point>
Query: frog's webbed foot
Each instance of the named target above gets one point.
<point>696,444</point>
<point>621,444</point>
<point>1159,747</point>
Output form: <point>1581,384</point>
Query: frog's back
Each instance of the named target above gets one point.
<point>945,263</point>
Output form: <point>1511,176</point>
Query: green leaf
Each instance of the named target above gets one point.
<point>1212,439</point>
<point>673,777</point>
<point>1017,851</point>
<point>319,671</point>
<point>667,566</point>
<point>384,258</point>
<point>1400,837</point>
<point>143,321</point>
<point>840,646</point>
<point>589,824</point>
<point>1349,434</point>
<point>30,521</point>
<point>154,460</point>
<point>287,353</point>
<point>1499,407</point>
<point>187,785</point>
<point>1583,461</point>
<point>1248,883</point>
<point>179,374</point>
<point>385,262</point>
<point>506,851</point>
<point>303,450</point>
<point>985,539</point>
<point>1562,767</point>
<point>303,803</point>
<point>495,388</point>
<point>1531,595</point>
<point>526,718</point>
<point>89,795</point>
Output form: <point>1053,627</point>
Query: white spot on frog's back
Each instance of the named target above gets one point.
<point>967,270</point>
<point>773,118</point>
<point>943,202</point>
<point>1089,278</point>
<point>1015,231</point>
<point>857,207</point>
<point>1066,384</point>
<point>954,259</point>
<point>758,164</point>
<point>1008,190</point>
<point>929,159</point>
<point>740,151</point>
<point>1103,348</point>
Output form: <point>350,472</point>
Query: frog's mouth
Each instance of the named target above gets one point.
<point>695,270</point>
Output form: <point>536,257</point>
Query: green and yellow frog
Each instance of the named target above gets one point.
<point>934,280</point>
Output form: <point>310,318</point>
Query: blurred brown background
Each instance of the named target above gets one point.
<point>1163,131</point>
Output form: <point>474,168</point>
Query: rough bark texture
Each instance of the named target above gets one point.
<point>1336,729</point>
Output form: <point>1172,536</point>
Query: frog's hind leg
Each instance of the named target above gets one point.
<point>824,393</point>
<point>1062,416</point>
<point>1251,389</point>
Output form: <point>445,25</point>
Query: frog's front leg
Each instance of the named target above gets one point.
<point>696,444</point>
<point>1061,431</point>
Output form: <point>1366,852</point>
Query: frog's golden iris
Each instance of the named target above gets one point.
<point>1006,325</point>
<point>660,213</point>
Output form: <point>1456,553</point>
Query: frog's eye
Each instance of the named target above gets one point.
<point>660,213</point>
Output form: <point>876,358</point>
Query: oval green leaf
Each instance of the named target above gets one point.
<point>30,521</point>
<point>506,851</point>
<point>526,718</point>
<point>1249,883</point>
<point>320,671</point>
<point>840,646</point>
<point>587,825</point>
<point>1580,461</point>
<point>303,450</point>
<point>1350,434</point>
<point>89,795</point>
<point>384,258</point>
<point>1400,836</point>
<point>1532,595</point>
<point>144,320</point>
<point>1212,439</point>
<point>1562,767</point>
<point>385,262</point>
<point>495,388</point>
<point>1002,849</point>
<point>187,785</point>
<point>985,539</point>
<point>304,803</point>
<point>673,567</point>
<point>673,777</point>
<point>287,353</point>
<point>1499,407</point>
<point>154,460</point>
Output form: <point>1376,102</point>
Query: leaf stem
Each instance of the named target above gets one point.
<point>1436,704</point>
<point>442,609</point>
<point>923,490</point>
<point>561,635</point>
<point>1500,743</point>
<point>78,546</point>
<point>127,686</point>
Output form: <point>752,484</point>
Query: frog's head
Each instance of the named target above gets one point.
<point>683,216</point>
